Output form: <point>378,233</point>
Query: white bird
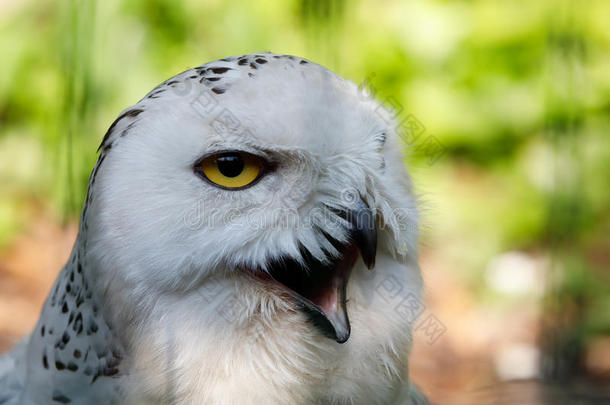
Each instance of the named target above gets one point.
<point>225,215</point>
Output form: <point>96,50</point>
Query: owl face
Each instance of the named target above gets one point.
<point>266,167</point>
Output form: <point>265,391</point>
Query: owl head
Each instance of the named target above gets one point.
<point>265,169</point>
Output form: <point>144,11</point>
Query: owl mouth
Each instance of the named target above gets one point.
<point>319,288</point>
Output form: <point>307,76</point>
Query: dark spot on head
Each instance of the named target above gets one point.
<point>212,79</point>
<point>127,129</point>
<point>242,62</point>
<point>261,61</point>
<point>131,113</point>
<point>45,361</point>
<point>253,66</point>
<point>59,365</point>
<point>276,56</point>
<point>250,75</point>
<point>68,288</point>
<point>79,268</point>
<point>72,276</point>
<point>217,90</point>
<point>77,354</point>
<point>155,93</point>
<point>220,70</point>
<point>64,307</point>
<point>72,366</point>
<point>42,330</point>
<point>303,62</point>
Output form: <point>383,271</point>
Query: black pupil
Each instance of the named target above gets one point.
<point>230,165</point>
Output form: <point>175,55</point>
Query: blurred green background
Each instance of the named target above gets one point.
<point>516,95</point>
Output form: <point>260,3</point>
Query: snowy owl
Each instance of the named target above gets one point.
<point>244,229</point>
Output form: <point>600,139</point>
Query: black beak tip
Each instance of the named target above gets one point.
<point>366,241</point>
<point>342,338</point>
<point>368,253</point>
<point>364,232</point>
<point>340,332</point>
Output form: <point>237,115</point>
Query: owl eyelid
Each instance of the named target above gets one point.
<point>267,167</point>
<point>267,164</point>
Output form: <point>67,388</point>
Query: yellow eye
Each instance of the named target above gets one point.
<point>232,170</point>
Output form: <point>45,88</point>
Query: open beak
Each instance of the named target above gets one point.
<point>320,288</point>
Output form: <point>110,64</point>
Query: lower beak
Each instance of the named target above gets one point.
<point>329,313</point>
